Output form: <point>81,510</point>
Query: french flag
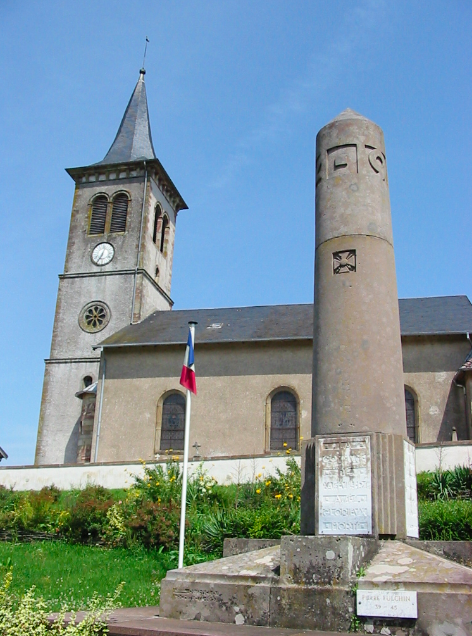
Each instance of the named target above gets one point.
<point>187,377</point>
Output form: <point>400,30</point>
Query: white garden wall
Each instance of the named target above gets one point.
<point>428,457</point>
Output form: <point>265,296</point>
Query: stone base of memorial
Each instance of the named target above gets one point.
<point>359,484</point>
<point>313,583</point>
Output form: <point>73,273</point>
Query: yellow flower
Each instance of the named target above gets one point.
<point>301,437</point>
<point>278,496</point>
<point>285,444</point>
<point>259,475</point>
<point>288,451</point>
<point>157,483</point>
<point>268,483</point>
<point>149,485</point>
<point>291,496</point>
<point>258,491</point>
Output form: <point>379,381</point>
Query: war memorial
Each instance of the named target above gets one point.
<point>358,557</point>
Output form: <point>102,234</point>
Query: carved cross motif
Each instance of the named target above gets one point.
<point>344,262</point>
<point>197,447</point>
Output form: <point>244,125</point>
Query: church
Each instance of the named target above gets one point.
<point>111,388</point>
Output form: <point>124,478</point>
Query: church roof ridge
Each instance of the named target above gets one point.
<point>443,315</point>
<point>133,141</point>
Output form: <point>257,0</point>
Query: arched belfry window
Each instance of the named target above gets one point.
<point>284,421</point>
<point>98,215</point>
<point>410,415</point>
<point>119,213</point>
<point>157,216</point>
<point>165,224</point>
<point>173,422</point>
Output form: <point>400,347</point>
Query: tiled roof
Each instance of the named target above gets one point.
<point>418,316</point>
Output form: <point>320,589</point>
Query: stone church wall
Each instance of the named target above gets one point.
<point>429,365</point>
<point>229,414</point>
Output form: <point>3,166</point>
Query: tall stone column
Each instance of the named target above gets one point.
<point>355,464</point>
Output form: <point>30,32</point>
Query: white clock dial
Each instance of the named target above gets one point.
<point>103,253</point>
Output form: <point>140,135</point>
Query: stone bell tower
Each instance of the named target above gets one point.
<point>118,270</point>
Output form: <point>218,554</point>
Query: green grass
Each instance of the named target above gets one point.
<point>448,520</point>
<point>66,574</point>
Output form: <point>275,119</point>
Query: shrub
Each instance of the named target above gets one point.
<point>155,524</point>
<point>87,516</point>
<point>161,483</point>
<point>445,484</point>
<point>28,615</point>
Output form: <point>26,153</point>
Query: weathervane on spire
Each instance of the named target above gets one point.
<point>143,70</point>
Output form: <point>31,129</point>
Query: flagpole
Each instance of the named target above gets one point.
<point>185,466</point>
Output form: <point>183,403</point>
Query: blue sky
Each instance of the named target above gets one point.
<point>237,90</point>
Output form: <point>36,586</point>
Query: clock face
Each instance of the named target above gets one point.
<point>103,253</point>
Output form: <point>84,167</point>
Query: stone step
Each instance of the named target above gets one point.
<point>144,621</point>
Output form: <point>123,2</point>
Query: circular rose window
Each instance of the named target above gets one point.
<point>94,317</point>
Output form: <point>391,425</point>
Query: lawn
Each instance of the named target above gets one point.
<point>67,574</point>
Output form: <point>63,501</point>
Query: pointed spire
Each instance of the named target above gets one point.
<point>133,141</point>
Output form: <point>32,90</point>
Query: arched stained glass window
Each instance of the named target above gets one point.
<point>119,213</point>
<point>157,216</point>
<point>98,215</point>
<point>284,421</point>
<point>173,422</point>
<point>410,415</point>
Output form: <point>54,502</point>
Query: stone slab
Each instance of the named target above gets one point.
<point>234,589</point>
<point>231,546</point>
<point>344,485</point>
<point>145,621</point>
<point>387,603</point>
<point>295,587</point>
<point>458,551</point>
<point>444,588</point>
<point>138,622</point>
<point>310,561</point>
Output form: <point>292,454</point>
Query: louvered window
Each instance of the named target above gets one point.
<point>173,422</point>
<point>284,422</point>
<point>165,223</point>
<point>157,216</point>
<point>99,215</point>
<point>119,213</point>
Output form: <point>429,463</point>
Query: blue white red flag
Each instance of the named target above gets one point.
<point>187,377</point>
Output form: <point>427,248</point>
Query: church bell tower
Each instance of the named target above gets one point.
<point>117,271</point>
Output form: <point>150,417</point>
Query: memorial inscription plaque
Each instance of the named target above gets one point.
<point>345,489</point>
<point>411,499</point>
<point>387,603</point>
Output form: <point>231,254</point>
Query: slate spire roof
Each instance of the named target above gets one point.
<point>133,141</point>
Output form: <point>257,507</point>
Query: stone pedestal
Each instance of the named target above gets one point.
<point>359,484</point>
<point>311,582</point>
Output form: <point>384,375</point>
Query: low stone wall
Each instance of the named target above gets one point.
<point>443,456</point>
<point>224,470</point>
